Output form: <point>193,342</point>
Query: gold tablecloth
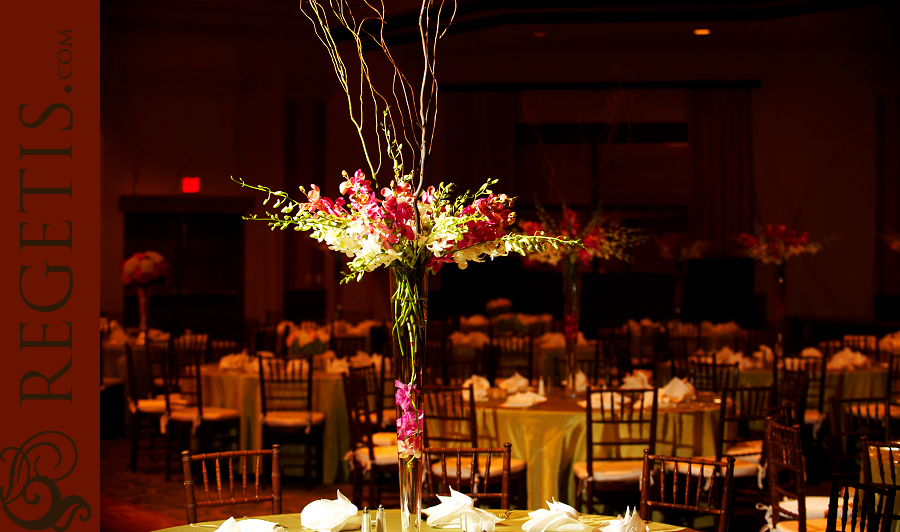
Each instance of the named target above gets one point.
<point>551,436</point>
<point>234,389</point>
<point>291,522</point>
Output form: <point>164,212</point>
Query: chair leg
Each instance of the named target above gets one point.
<point>135,439</point>
<point>169,442</point>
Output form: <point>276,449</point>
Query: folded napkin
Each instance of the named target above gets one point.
<point>448,512</point>
<point>765,353</point>
<point>474,339</point>
<point>635,381</point>
<point>609,401</point>
<point>524,399</point>
<point>497,304</point>
<point>284,327</point>
<point>632,522</point>
<point>810,352</point>
<point>362,359</point>
<point>235,361</point>
<point>474,320</point>
<point>480,387</point>
<point>116,338</point>
<point>337,365</point>
<point>156,335</point>
<point>513,384</point>
<point>847,359</point>
<point>559,518</point>
<point>678,391</point>
<point>325,515</point>
<point>551,339</point>
<point>581,381</point>
<point>249,525</point>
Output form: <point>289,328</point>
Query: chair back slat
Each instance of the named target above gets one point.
<point>450,416</point>
<point>785,470</point>
<point>859,507</point>
<point>625,412</point>
<point>223,495</point>
<point>683,484</point>
<point>472,471</point>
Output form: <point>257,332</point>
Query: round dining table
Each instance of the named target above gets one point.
<point>513,522</point>
<point>551,436</point>
<point>239,389</point>
<point>854,383</point>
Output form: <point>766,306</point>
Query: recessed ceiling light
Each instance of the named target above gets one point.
<point>539,34</point>
<point>701,31</point>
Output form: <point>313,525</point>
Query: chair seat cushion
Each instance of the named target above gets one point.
<point>149,406</point>
<point>291,418</point>
<point>816,507</point>
<point>210,413</point>
<point>384,456</point>
<point>515,466</point>
<point>750,450</point>
<point>742,468</point>
<point>610,470</point>
<point>383,439</point>
<point>812,525</point>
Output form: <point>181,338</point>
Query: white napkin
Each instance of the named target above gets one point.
<point>635,381</point>
<point>765,353</point>
<point>559,518</point>
<point>523,400</point>
<point>810,352</point>
<point>551,339</point>
<point>847,359</point>
<point>362,359</point>
<point>474,339</point>
<point>679,390</point>
<point>480,387</point>
<point>248,525</point>
<point>338,365</point>
<point>581,381</point>
<point>632,522</point>
<point>235,361</point>
<point>156,335</point>
<point>513,384</point>
<point>616,397</point>
<point>324,515</point>
<point>474,320</point>
<point>447,513</point>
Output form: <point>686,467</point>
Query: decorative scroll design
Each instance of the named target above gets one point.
<point>34,469</point>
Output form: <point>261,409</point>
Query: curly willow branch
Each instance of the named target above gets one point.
<point>415,122</point>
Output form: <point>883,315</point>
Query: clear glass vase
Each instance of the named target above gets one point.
<point>571,318</point>
<point>409,301</point>
<point>143,297</point>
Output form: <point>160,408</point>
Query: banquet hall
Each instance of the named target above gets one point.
<point>730,172</point>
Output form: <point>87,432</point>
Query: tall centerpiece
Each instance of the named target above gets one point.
<point>680,248</point>
<point>603,236</point>
<point>143,271</point>
<point>406,226</point>
<point>775,244</point>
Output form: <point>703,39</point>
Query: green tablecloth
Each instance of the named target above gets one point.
<point>551,436</point>
<point>232,389</point>
<point>291,522</point>
<point>867,382</point>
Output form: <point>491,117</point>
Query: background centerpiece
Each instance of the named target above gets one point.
<point>143,270</point>
<point>408,227</point>
<point>775,244</point>
<point>680,248</point>
<point>603,236</point>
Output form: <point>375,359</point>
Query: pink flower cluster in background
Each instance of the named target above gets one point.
<point>776,243</point>
<point>142,268</point>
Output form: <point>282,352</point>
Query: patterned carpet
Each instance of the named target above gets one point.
<point>144,501</point>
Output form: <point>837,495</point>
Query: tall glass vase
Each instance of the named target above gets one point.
<point>780,319</point>
<point>571,318</point>
<point>409,302</point>
<point>143,295</point>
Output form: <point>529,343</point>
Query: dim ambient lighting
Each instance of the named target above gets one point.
<point>701,31</point>
<point>190,185</point>
<point>539,34</point>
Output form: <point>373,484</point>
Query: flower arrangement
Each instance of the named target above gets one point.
<point>893,241</point>
<point>406,226</point>
<point>145,268</point>
<point>776,243</point>
<point>307,339</point>
<point>680,247</point>
<point>602,237</point>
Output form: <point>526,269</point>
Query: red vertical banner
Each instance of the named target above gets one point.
<point>50,240</point>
